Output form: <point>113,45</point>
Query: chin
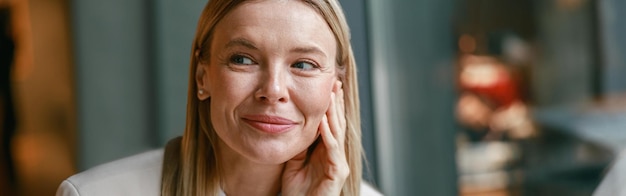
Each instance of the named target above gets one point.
<point>276,154</point>
<point>272,158</point>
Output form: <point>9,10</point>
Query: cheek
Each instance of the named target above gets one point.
<point>228,91</point>
<point>313,106</point>
<point>230,88</point>
<point>313,102</point>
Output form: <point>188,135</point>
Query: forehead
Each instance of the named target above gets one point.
<point>276,20</point>
<point>276,10</point>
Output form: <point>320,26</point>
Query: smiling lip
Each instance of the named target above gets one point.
<point>269,124</point>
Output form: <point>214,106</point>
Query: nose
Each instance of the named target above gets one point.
<point>273,87</point>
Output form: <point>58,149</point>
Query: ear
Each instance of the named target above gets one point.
<point>202,82</point>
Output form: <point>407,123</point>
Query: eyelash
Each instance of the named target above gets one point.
<point>233,59</point>
<point>313,65</point>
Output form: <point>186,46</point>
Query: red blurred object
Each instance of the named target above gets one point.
<point>489,79</point>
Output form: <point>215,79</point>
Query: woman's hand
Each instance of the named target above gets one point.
<point>326,170</point>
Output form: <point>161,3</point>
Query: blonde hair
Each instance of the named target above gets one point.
<point>191,166</point>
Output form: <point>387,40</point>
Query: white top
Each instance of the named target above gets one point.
<point>614,181</point>
<point>136,175</point>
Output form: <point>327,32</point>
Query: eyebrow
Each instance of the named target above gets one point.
<point>305,50</point>
<point>248,44</point>
<point>241,42</point>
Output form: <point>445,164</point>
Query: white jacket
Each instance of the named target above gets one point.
<point>136,175</point>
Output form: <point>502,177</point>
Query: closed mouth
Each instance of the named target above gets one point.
<point>268,123</point>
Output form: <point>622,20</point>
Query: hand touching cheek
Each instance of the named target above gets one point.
<point>326,169</point>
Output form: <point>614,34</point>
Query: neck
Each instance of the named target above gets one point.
<point>241,176</point>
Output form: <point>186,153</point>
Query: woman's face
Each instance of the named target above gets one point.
<point>270,74</point>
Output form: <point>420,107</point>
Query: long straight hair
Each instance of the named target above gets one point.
<point>191,166</point>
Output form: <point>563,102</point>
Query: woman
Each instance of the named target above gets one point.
<point>266,112</point>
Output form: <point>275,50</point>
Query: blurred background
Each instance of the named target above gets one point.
<point>458,97</point>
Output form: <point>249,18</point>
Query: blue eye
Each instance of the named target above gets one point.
<point>304,65</point>
<point>241,60</point>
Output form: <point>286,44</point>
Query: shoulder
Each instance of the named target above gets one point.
<point>369,190</point>
<point>136,175</point>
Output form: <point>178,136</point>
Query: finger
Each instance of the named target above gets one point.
<point>331,112</point>
<point>340,104</point>
<point>342,110</point>
<point>332,147</point>
<point>336,115</point>
<point>332,121</point>
<point>338,168</point>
